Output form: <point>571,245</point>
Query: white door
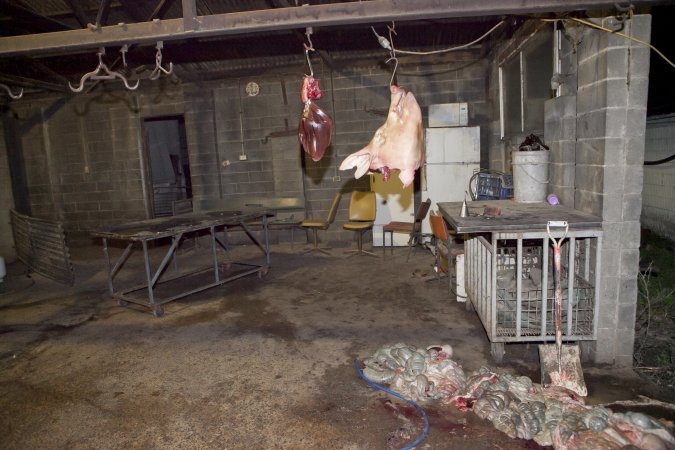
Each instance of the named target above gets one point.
<point>452,157</point>
<point>394,203</point>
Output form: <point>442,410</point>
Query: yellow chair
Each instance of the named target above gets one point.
<point>316,225</point>
<point>361,218</point>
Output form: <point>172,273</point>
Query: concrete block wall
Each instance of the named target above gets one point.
<point>560,120</point>
<point>85,153</point>
<point>612,81</point>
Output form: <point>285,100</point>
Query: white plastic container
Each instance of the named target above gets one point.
<point>530,175</point>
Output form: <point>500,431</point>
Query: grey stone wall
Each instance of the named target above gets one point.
<point>612,109</point>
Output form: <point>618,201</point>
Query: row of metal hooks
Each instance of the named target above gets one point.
<point>103,72</point>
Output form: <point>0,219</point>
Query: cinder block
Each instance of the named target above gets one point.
<point>632,206</point>
<point>590,152</point>
<point>593,96</point>
<point>633,179</point>
<point>628,291</point>
<point>591,124</point>
<point>630,234</point>
<point>615,151</point>
<point>605,351</point>
<point>589,178</point>
<point>612,209</point>
<point>616,123</point>
<point>629,262</point>
<point>635,150</point>
<point>626,317</point>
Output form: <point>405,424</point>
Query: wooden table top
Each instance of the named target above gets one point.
<point>143,230</point>
<point>514,216</point>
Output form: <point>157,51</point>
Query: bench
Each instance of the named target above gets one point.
<point>286,213</point>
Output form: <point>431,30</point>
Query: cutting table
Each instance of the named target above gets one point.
<point>145,233</point>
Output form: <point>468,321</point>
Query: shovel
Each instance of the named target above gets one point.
<point>560,365</point>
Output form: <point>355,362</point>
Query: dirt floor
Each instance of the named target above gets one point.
<point>256,363</point>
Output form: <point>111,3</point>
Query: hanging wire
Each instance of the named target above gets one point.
<point>392,51</point>
<point>387,45</point>
<point>600,27</point>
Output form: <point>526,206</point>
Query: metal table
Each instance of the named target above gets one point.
<point>508,269</point>
<point>177,228</point>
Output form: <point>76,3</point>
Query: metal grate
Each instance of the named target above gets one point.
<point>41,246</point>
<point>510,283</point>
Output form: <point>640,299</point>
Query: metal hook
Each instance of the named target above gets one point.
<point>158,63</point>
<point>393,73</point>
<point>124,51</point>
<point>308,33</point>
<point>9,92</point>
<point>309,63</point>
<point>102,72</point>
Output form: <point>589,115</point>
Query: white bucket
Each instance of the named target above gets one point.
<point>530,175</point>
<point>3,269</point>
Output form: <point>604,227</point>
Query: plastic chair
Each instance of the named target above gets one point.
<point>316,225</point>
<point>362,212</point>
<point>414,229</point>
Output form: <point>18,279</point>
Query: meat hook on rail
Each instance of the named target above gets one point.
<point>102,72</point>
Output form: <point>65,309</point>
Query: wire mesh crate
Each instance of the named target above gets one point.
<point>510,283</point>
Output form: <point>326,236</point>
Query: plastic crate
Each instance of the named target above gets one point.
<point>492,186</point>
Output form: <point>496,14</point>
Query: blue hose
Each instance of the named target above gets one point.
<point>421,437</point>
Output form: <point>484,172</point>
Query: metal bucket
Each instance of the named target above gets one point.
<point>530,175</point>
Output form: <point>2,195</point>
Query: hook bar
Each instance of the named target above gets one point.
<point>102,72</point>
<point>158,64</point>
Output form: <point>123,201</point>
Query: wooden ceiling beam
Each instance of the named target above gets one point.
<point>334,14</point>
<point>79,12</point>
<point>38,22</point>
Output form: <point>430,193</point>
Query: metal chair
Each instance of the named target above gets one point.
<point>440,232</point>
<point>315,225</point>
<point>414,229</point>
<point>362,212</point>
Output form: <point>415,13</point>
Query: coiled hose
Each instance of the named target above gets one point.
<point>421,437</point>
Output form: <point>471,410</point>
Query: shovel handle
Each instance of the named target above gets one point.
<point>557,224</point>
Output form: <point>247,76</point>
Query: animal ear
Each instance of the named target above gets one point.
<point>406,177</point>
<point>359,160</point>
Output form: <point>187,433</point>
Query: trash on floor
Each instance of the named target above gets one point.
<point>551,416</point>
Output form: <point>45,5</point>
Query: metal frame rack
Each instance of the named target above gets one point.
<point>177,228</point>
<point>509,283</point>
<point>508,270</point>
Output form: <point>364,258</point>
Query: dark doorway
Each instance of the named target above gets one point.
<point>168,164</point>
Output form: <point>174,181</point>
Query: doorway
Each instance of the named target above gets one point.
<point>168,165</point>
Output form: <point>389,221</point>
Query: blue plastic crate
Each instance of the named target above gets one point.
<point>494,186</point>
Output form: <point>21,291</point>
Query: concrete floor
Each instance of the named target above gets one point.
<point>255,364</point>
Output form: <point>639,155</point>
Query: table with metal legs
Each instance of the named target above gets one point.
<point>149,233</point>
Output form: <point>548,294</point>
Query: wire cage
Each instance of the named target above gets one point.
<point>535,310</point>
<point>510,284</point>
